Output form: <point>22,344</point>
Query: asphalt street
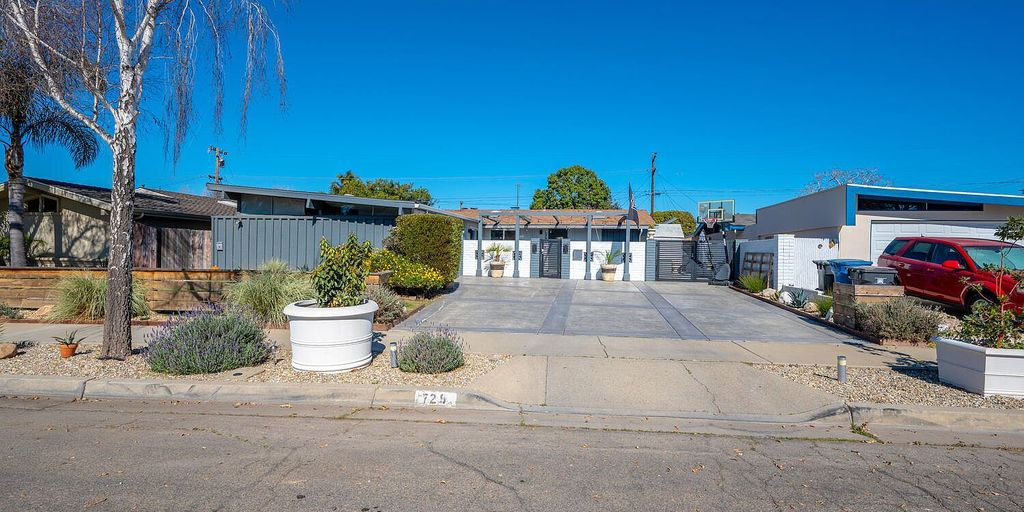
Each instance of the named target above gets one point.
<point>120,455</point>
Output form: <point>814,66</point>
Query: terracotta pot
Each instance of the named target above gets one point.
<point>67,351</point>
<point>608,272</point>
<point>497,268</point>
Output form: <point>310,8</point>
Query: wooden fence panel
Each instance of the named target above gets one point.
<point>166,290</point>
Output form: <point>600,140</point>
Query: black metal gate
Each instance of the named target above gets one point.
<point>551,258</point>
<point>692,260</point>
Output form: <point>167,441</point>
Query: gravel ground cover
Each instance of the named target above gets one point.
<point>44,360</point>
<point>900,386</point>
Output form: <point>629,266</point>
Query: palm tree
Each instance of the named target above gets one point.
<point>28,117</point>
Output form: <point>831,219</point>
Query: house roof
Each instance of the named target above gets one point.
<point>555,218</point>
<point>332,198</point>
<point>149,201</point>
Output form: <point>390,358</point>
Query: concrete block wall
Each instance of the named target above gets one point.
<point>794,258</point>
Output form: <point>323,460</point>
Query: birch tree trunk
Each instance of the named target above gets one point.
<point>14,161</point>
<point>117,323</point>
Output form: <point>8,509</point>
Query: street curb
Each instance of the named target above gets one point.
<point>958,418</point>
<point>49,385</point>
<point>227,391</point>
<point>822,413</point>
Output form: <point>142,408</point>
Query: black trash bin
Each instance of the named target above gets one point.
<point>873,275</point>
<point>826,278</point>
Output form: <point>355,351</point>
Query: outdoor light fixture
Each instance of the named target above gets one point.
<point>841,368</point>
<point>394,354</point>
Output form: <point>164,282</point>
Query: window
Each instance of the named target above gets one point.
<point>914,205</point>
<point>558,233</point>
<point>920,251</point>
<point>945,252</point>
<point>503,234</point>
<point>989,255</point>
<point>895,246</point>
<point>41,204</point>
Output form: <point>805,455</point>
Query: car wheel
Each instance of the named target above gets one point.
<point>975,298</point>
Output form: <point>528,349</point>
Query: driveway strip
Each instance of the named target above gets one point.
<point>683,327</point>
<point>554,322</point>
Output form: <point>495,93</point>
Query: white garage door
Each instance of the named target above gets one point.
<point>883,232</point>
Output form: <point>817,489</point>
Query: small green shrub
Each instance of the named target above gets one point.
<point>431,240</point>
<point>753,283</point>
<point>496,250</point>
<point>900,319</point>
<point>267,291</point>
<point>9,312</point>
<point>390,307</point>
<point>824,304</point>
<point>434,350</point>
<point>207,340</point>
<point>408,277</point>
<point>81,296</point>
<point>340,278</point>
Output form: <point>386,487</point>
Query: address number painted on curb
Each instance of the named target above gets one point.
<point>436,398</point>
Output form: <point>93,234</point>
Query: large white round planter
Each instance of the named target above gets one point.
<point>982,370</point>
<point>330,339</point>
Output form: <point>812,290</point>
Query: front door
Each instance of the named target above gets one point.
<point>551,258</point>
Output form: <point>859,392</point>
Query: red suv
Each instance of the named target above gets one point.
<point>943,269</point>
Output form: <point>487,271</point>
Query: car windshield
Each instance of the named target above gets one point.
<point>984,255</point>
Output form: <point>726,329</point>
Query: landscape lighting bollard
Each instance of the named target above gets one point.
<point>841,368</point>
<point>394,354</point>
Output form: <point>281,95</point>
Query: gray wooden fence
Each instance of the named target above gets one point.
<point>245,242</point>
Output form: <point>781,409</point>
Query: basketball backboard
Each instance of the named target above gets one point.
<point>724,210</point>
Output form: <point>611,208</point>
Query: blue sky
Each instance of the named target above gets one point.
<point>743,100</point>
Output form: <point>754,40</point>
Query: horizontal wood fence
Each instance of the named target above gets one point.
<point>166,290</point>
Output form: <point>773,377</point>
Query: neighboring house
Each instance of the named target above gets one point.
<point>288,225</point>
<point>858,221</point>
<point>172,229</point>
<point>606,225</point>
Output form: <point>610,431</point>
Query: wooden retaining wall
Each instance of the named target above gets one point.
<point>166,290</point>
<point>847,296</point>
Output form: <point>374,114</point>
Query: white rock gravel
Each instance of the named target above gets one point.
<point>45,360</point>
<point>900,386</point>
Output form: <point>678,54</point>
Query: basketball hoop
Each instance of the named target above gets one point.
<point>710,222</point>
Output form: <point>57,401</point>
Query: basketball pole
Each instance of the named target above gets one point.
<point>654,169</point>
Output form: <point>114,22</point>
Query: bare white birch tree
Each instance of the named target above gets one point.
<point>103,52</point>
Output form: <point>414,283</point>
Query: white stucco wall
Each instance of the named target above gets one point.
<point>469,258</point>
<point>819,214</point>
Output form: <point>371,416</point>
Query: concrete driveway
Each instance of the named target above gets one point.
<point>681,310</point>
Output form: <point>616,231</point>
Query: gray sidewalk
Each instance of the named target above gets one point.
<point>595,374</point>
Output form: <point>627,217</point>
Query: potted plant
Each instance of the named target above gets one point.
<point>68,344</point>
<point>334,332</point>
<point>985,355</point>
<point>497,265</point>
<point>609,266</point>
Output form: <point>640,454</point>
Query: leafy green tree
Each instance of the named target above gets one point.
<point>684,219</point>
<point>380,188</point>
<point>573,187</point>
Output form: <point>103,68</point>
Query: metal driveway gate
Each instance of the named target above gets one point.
<point>551,258</point>
<point>691,260</point>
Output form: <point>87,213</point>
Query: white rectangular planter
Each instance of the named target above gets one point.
<point>982,370</point>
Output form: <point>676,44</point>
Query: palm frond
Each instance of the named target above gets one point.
<point>53,125</point>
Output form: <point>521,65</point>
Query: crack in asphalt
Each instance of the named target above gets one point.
<point>522,502</point>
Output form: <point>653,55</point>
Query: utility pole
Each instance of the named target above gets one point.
<point>517,196</point>
<point>654,169</point>
<point>218,164</point>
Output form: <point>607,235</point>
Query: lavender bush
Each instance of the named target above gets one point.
<point>209,339</point>
<point>432,350</point>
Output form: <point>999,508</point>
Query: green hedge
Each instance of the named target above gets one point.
<point>408,277</point>
<point>432,240</point>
